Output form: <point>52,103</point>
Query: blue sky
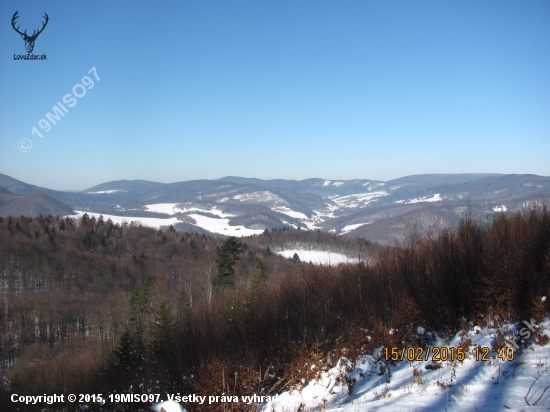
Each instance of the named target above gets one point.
<point>276,89</point>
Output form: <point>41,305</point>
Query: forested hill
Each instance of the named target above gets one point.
<point>89,306</point>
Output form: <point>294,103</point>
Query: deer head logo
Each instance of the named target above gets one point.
<point>29,40</point>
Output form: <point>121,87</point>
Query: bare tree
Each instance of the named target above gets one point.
<point>208,269</point>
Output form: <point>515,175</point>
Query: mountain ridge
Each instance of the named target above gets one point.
<point>355,207</point>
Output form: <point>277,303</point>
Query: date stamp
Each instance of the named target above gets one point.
<point>444,353</point>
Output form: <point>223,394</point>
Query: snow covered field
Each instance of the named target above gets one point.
<point>222,226</point>
<point>471,385</point>
<point>317,257</point>
<point>434,198</point>
<point>211,224</point>
<point>172,209</point>
<point>357,200</point>
<point>145,221</point>
<point>349,228</point>
<point>290,212</point>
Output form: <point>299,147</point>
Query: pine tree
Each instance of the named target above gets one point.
<point>85,219</point>
<point>132,348</point>
<point>125,350</point>
<point>160,329</point>
<point>87,240</point>
<point>258,276</point>
<point>228,254</point>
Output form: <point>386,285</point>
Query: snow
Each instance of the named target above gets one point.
<point>470,385</point>
<point>221,226</point>
<point>261,197</point>
<point>172,209</point>
<point>105,192</point>
<point>167,406</point>
<point>499,208</point>
<point>317,257</point>
<point>337,184</point>
<point>290,212</point>
<point>289,224</point>
<point>434,198</point>
<point>349,228</point>
<point>358,199</point>
<point>145,221</point>
<point>327,183</point>
<point>310,223</point>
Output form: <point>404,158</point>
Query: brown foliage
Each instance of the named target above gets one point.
<point>67,302</point>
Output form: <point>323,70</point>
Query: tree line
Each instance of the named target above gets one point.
<point>180,312</point>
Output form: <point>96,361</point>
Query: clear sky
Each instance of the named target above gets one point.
<point>276,89</point>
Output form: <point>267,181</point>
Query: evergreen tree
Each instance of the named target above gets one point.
<point>160,329</point>
<point>125,350</point>
<point>228,254</point>
<point>132,348</point>
<point>85,219</point>
<point>258,276</point>
<point>87,240</point>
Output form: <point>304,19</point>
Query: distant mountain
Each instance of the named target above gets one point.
<point>32,205</point>
<point>440,179</point>
<point>376,210</point>
<point>17,187</point>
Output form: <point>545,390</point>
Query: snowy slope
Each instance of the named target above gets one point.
<point>317,257</point>
<point>145,221</point>
<point>470,385</point>
<point>222,226</point>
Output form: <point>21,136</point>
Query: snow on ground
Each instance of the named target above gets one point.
<point>357,200</point>
<point>261,197</point>
<point>327,183</point>
<point>434,198</point>
<point>289,224</point>
<point>471,385</point>
<point>105,192</point>
<point>310,223</point>
<point>499,208</point>
<point>167,406</point>
<point>221,226</point>
<point>349,228</point>
<point>172,209</point>
<point>337,184</point>
<point>317,257</point>
<point>290,212</point>
<point>145,221</point>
